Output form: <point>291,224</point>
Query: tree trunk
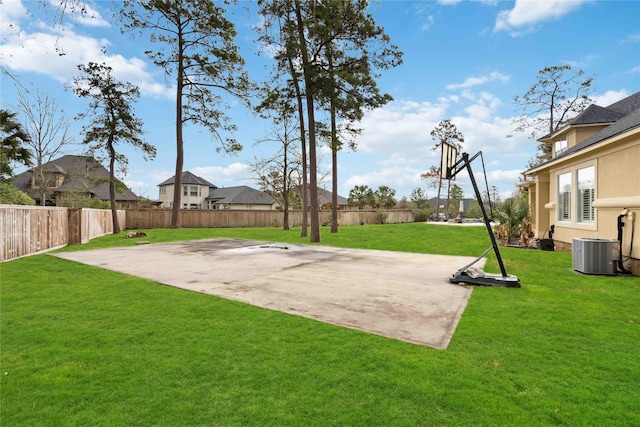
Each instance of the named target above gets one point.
<point>112,187</point>
<point>313,182</point>
<point>285,187</point>
<point>334,171</point>
<point>438,199</point>
<point>42,185</point>
<point>448,196</point>
<point>334,149</point>
<point>177,183</point>
<point>303,147</point>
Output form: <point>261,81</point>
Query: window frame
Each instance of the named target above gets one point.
<point>575,206</point>
<point>580,200</point>
<point>563,204</point>
<point>557,151</point>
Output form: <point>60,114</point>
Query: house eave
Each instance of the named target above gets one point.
<point>570,156</point>
<point>549,138</point>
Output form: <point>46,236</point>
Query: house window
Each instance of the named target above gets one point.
<point>163,190</point>
<point>564,197</point>
<point>585,194</point>
<point>195,191</point>
<point>560,147</point>
<point>185,190</point>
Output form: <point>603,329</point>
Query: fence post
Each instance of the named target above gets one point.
<point>75,226</point>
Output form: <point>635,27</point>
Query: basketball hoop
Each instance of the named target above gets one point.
<point>429,175</point>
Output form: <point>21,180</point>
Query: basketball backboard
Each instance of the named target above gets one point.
<point>449,157</point>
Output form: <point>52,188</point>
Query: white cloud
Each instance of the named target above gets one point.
<point>158,176</point>
<point>405,124</point>
<point>427,23</point>
<point>228,176</point>
<point>484,107</point>
<point>393,177</point>
<point>475,81</point>
<point>80,11</point>
<point>527,13</point>
<point>12,12</point>
<point>90,17</point>
<point>421,11</point>
<point>585,63</point>
<point>455,2</point>
<point>36,52</point>
<point>397,144</point>
<point>632,38</point>
<point>222,176</point>
<point>609,97</point>
<point>511,175</point>
<point>141,188</point>
<point>490,137</point>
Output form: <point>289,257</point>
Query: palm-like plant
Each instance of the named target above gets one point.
<point>511,215</point>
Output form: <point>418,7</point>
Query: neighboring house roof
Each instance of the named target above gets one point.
<point>188,178</point>
<point>324,196</point>
<point>54,167</point>
<point>22,181</point>
<point>81,173</point>
<point>241,195</point>
<point>627,119</point>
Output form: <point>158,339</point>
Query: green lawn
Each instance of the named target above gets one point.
<point>83,346</point>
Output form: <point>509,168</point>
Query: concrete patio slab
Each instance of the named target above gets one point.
<point>399,295</point>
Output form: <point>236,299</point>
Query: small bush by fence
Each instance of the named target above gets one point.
<point>26,230</point>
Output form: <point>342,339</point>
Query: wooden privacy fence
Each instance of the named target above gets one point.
<point>223,218</point>
<point>85,224</point>
<point>26,230</point>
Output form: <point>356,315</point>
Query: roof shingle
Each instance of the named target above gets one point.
<point>240,195</point>
<point>188,178</point>
<point>82,173</point>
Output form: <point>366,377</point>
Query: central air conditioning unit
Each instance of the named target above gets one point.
<point>595,256</point>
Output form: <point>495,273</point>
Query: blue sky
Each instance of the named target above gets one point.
<point>463,60</point>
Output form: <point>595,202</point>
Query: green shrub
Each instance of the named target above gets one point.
<point>10,195</point>
<point>423,214</point>
<point>79,200</point>
<point>381,216</point>
<point>511,215</point>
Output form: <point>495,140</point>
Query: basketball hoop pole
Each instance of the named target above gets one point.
<point>462,275</point>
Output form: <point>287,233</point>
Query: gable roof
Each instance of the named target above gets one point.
<point>82,173</point>
<point>595,114</point>
<point>626,105</point>
<point>188,178</point>
<point>626,123</point>
<point>628,119</point>
<point>240,195</point>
